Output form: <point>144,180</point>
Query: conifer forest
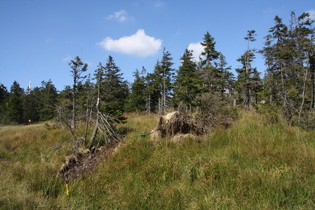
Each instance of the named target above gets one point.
<point>286,87</point>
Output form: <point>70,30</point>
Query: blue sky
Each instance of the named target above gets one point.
<point>39,37</point>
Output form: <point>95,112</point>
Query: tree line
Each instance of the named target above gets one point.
<point>287,88</point>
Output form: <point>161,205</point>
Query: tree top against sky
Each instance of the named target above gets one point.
<point>39,38</point>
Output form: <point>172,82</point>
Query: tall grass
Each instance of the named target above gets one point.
<point>29,159</point>
<point>251,165</point>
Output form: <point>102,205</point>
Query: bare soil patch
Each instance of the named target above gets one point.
<point>84,163</point>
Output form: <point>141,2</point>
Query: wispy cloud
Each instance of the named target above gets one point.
<point>312,14</point>
<point>120,16</point>
<point>269,10</point>
<point>66,59</point>
<point>49,40</point>
<point>197,49</point>
<point>138,44</point>
<point>159,3</point>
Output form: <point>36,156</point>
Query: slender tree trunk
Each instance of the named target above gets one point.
<point>303,95</point>
<point>164,95</point>
<point>93,136</point>
<point>74,104</point>
<point>149,104</point>
<point>284,95</point>
<point>312,72</point>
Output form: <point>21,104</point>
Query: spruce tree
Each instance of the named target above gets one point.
<point>248,80</point>
<point>209,52</point>
<point>225,78</point>
<point>15,103</point>
<point>208,64</point>
<point>48,100</point>
<point>273,51</point>
<point>136,100</point>
<point>163,81</point>
<point>187,85</point>
<point>31,105</point>
<point>152,91</point>
<point>115,91</point>
<point>4,95</point>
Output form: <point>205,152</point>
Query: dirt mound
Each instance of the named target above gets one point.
<point>176,123</point>
<point>84,162</point>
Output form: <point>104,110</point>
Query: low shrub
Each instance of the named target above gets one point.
<point>216,112</point>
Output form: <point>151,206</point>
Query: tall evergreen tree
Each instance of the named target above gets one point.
<point>164,73</point>
<point>152,91</point>
<point>225,78</point>
<point>248,82</point>
<point>208,64</point>
<point>48,100</point>
<point>136,100</point>
<point>272,52</point>
<point>31,105</point>
<point>115,90</point>
<point>209,52</point>
<point>15,103</point>
<point>187,82</point>
<point>4,95</point>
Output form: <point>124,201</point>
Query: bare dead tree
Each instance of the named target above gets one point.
<point>90,116</point>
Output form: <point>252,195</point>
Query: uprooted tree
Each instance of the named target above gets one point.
<point>176,123</point>
<point>211,113</point>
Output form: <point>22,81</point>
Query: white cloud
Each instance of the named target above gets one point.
<point>120,16</point>
<point>197,49</point>
<point>159,3</point>
<point>138,44</point>
<point>269,10</point>
<point>312,14</point>
<point>66,59</point>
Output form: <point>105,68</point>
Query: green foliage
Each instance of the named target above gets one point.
<point>214,70</point>
<point>187,82</point>
<point>48,100</point>
<point>136,101</point>
<point>31,106</point>
<point>208,69</point>
<point>306,121</point>
<point>270,112</point>
<point>215,112</point>
<point>114,90</point>
<point>15,108</point>
<point>209,52</point>
<point>248,84</point>
<point>288,51</point>
<point>162,82</point>
<point>4,95</point>
<point>37,105</point>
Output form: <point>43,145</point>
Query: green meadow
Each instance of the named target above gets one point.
<point>251,165</point>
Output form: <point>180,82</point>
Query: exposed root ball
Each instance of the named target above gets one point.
<point>84,162</point>
<point>177,123</point>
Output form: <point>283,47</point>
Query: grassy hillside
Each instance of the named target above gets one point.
<point>250,165</point>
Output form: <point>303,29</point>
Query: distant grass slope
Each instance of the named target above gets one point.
<point>250,165</point>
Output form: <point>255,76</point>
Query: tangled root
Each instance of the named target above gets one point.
<point>177,123</point>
